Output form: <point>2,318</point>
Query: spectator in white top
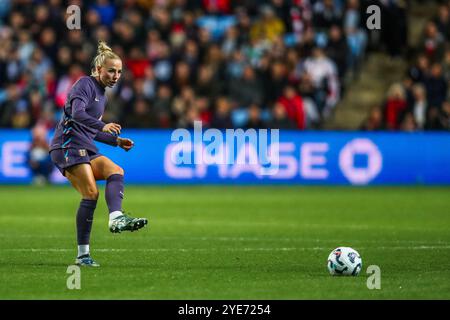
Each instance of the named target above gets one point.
<point>323,72</point>
<point>419,109</point>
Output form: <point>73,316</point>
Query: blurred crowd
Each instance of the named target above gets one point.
<point>422,100</point>
<point>228,63</point>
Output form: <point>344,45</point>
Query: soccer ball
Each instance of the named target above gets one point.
<point>344,261</point>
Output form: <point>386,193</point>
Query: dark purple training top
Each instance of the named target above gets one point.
<point>81,122</point>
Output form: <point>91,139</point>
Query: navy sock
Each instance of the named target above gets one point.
<point>85,216</point>
<point>114,192</point>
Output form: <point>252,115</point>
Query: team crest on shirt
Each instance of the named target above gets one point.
<point>82,152</point>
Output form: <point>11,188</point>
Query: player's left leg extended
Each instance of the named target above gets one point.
<point>105,169</point>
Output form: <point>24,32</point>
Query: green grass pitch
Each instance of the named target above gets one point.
<point>229,242</point>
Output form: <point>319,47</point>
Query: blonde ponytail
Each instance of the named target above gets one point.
<point>103,52</point>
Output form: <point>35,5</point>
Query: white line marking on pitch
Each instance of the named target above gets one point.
<point>258,239</point>
<point>222,249</point>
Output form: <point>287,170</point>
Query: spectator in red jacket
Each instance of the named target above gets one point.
<point>137,63</point>
<point>217,6</point>
<point>293,103</point>
<point>395,106</point>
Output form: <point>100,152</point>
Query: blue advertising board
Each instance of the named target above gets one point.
<point>325,158</point>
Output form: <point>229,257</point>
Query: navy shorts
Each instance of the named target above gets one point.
<point>66,158</point>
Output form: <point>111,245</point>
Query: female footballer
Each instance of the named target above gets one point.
<point>74,153</point>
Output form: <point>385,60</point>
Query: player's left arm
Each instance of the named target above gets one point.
<point>114,141</point>
<point>125,143</point>
<point>105,137</point>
